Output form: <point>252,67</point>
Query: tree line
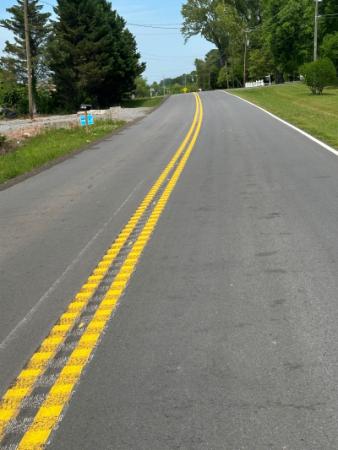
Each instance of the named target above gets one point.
<point>85,54</point>
<point>259,38</point>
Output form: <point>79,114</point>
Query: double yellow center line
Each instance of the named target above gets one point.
<point>50,410</point>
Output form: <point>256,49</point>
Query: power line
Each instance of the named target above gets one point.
<point>152,55</point>
<point>163,24</point>
<point>156,34</point>
<point>156,27</point>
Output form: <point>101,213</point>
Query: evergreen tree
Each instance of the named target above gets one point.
<point>14,60</point>
<point>92,55</point>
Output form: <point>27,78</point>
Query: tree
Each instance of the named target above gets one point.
<point>141,87</point>
<point>223,78</point>
<point>208,70</point>
<point>328,21</point>
<point>288,28</point>
<point>329,48</point>
<point>214,20</point>
<point>260,63</point>
<point>319,74</point>
<point>92,55</point>
<point>202,17</point>
<point>260,58</point>
<point>14,62</point>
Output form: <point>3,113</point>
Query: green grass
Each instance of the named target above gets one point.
<point>316,114</point>
<point>149,102</point>
<point>49,146</point>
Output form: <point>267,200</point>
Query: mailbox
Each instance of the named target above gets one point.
<point>85,107</point>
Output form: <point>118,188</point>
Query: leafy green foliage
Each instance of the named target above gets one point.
<point>288,27</point>
<point>219,21</point>
<point>208,70</point>
<point>14,97</point>
<point>14,59</point>
<point>260,63</point>
<point>141,87</point>
<point>178,85</point>
<point>223,78</point>
<point>319,74</point>
<point>328,20</point>
<point>92,55</point>
<point>329,48</point>
<point>279,35</point>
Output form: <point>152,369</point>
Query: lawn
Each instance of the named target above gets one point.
<point>48,146</point>
<point>149,102</point>
<point>316,114</point>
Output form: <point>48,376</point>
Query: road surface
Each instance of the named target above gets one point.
<point>226,330</point>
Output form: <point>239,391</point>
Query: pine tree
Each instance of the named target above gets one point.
<point>92,55</point>
<point>14,61</point>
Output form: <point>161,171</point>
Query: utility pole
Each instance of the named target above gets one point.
<point>315,52</point>
<point>29,61</point>
<point>245,54</point>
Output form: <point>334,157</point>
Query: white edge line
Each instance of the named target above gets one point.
<point>304,133</point>
<point>12,335</point>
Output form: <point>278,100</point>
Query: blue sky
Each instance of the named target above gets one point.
<point>164,51</point>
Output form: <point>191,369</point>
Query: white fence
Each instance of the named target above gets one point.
<point>253,84</point>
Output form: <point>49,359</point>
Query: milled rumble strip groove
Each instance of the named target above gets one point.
<point>52,408</point>
<point>29,407</point>
<point>22,387</point>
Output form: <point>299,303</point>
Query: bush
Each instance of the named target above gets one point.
<point>14,97</point>
<point>3,140</point>
<point>319,74</point>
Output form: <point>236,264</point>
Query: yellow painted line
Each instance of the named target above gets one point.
<point>10,404</point>
<point>50,411</point>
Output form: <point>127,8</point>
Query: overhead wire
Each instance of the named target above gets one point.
<point>156,27</point>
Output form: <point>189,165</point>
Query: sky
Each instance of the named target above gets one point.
<point>164,51</point>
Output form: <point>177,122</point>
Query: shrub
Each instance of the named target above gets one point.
<point>319,74</point>
<point>15,97</point>
<point>3,140</point>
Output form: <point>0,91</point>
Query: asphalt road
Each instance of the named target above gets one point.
<point>226,336</point>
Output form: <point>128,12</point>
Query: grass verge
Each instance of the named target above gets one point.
<point>150,102</point>
<point>316,114</point>
<point>50,145</point>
